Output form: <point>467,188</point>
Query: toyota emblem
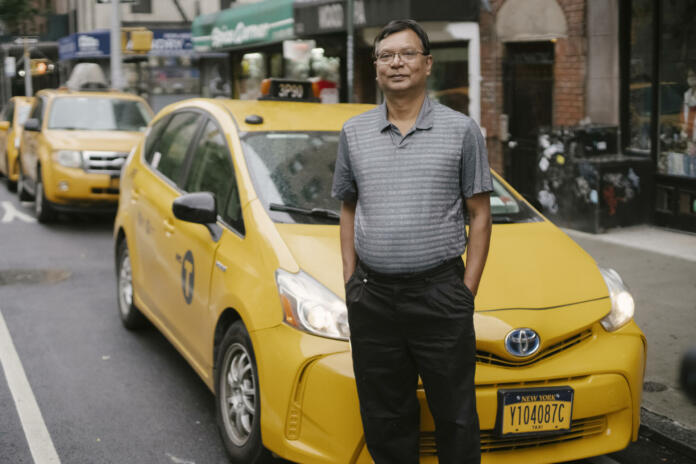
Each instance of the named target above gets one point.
<point>522,342</point>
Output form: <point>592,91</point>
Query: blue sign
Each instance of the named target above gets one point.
<point>84,45</point>
<point>171,43</point>
<point>97,44</point>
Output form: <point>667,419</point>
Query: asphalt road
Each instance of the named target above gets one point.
<point>105,395</point>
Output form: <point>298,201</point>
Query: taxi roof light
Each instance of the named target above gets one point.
<point>289,90</point>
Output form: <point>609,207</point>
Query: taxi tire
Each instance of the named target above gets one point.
<point>11,185</point>
<point>131,317</point>
<point>21,187</point>
<point>42,207</point>
<point>252,451</point>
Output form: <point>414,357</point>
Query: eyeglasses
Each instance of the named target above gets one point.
<point>408,56</point>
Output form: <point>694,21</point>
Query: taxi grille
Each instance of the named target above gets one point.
<point>484,357</point>
<point>104,162</point>
<point>490,442</point>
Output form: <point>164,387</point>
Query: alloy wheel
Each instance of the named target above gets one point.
<point>38,198</point>
<point>125,285</point>
<point>238,394</point>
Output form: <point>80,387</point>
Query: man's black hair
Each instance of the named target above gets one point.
<point>399,25</point>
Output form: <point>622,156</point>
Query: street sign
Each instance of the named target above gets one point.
<point>26,40</point>
<point>10,66</point>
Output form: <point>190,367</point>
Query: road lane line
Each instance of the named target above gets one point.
<point>38,438</point>
<point>12,213</point>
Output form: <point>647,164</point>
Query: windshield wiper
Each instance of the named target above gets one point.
<point>317,212</point>
<point>503,220</point>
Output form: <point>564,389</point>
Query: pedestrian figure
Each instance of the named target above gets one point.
<point>406,173</point>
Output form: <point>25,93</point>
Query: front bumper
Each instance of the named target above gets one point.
<point>13,165</point>
<point>320,423</point>
<point>70,189</point>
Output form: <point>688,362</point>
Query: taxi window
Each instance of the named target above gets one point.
<point>94,113</point>
<point>8,114</point>
<point>38,110</point>
<point>23,113</point>
<point>212,171</point>
<point>152,136</point>
<point>293,169</point>
<point>505,208</point>
<point>171,148</point>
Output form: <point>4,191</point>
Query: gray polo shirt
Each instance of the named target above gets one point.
<point>410,189</point>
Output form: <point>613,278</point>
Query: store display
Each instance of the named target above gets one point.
<point>578,187</point>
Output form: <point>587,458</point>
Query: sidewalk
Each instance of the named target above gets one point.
<point>659,267</point>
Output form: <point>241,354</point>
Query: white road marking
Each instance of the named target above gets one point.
<point>12,213</point>
<point>177,460</point>
<point>38,438</point>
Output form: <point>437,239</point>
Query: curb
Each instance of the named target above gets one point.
<point>664,430</point>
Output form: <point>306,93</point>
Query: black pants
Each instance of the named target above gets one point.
<point>402,327</point>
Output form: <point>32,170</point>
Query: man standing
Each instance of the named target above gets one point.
<point>406,173</point>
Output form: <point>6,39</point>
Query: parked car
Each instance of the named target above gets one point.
<point>73,147</point>
<point>11,127</point>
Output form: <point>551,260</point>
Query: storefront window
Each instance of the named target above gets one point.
<point>252,72</point>
<point>215,78</point>
<point>640,76</point>
<point>449,78</point>
<point>677,151</point>
<point>172,78</point>
<point>300,59</point>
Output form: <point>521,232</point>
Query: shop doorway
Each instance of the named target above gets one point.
<point>528,104</point>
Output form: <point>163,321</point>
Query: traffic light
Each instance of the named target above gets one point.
<point>38,67</point>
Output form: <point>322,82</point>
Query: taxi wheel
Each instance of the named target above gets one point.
<point>237,398</point>
<point>21,187</point>
<point>42,207</point>
<point>131,317</point>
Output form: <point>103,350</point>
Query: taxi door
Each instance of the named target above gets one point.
<point>5,134</point>
<point>31,143</point>
<point>153,190</point>
<point>209,170</point>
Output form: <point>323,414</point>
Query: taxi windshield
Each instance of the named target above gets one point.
<point>293,173</point>
<point>23,113</point>
<point>98,114</point>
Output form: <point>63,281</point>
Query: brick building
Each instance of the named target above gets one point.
<point>561,27</point>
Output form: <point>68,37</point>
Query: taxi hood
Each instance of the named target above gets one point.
<point>120,141</point>
<point>530,266</point>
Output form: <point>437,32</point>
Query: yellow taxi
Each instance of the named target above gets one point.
<point>11,127</point>
<point>227,240</point>
<point>73,147</point>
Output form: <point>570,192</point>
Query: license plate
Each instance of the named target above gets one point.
<point>534,410</point>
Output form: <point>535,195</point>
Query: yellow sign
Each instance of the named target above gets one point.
<point>136,40</point>
<point>535,410</point>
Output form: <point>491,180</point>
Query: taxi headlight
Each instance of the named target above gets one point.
<point>309,306</point>
<point>622,304</point>
<point>68,158</point>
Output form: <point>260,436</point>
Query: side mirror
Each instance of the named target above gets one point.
<point>4,125</point>
<point>199,208</point>
<point>32,124</point>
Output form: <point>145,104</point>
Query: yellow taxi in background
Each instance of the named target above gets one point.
<point>11,127</point>
<point>73,147</point>
<point>227,240</point>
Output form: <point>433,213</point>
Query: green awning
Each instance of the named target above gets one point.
<point>253,23</point>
